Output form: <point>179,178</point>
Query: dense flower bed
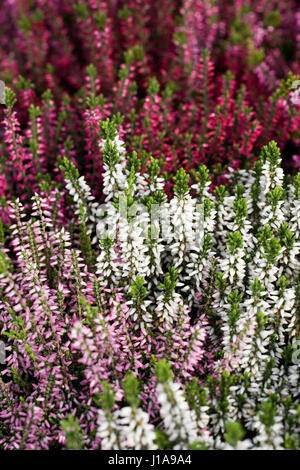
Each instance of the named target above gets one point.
<point>149,225</point>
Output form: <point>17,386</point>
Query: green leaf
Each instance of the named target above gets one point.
<point>234,433</point>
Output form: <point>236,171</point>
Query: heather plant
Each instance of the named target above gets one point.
<point>219,88</point>
<point>132,328</point>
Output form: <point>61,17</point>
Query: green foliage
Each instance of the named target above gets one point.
<point>239,32</point>
<point>297,185</point>
<point>262,320</point>
<point>221,283</point>
<point>106,243</point>
<point>131,389</point>
<point>34,112</point>
<point>272,248</point>
<point>286,84</point>
<point>207,244</point>
<point>234,299</point>
<point>19,333</point>
<point>196,395</point>
<point>73,433</point>
<point>138,290</point>
<point>271,153</point>
<point>227,380</point>
<point>135,54</point>
<point>91,312</point>
<point>81,10</point>
<point>273,18</point>
<point>240,209</point>
<point>37,16</point>
<point>202,177</point>
<point>274,196</point>
<point>169,90</point>
<point>163,371</point>
<point>290,442</point>
<point>124,13</point>
<point>139,52</point>
<point>153,169</point>
<point>198,446</point>
<point>69,169</point>
<point>108,397</point>
<point>264,234</point>
<point>91,71</point>
<point>10,98</point>
<point>110,154</point>
<point>169,284</point>
<point>100,20</point>
<point>256,287</point>
<point>85,238</point>
<point>181,187</point>
<point>268,412</point>
<point>5,263</point>
<point>2,234</point>
<point>235,241</point>
<point>255,56</point>
<point>24,83</point>
<point>24,24</point>
<point>153,87</point>
<point>221,192</point>
<point>108,129</point>
<point>180,37</point>
<point>287,238</point>
<point>162,440</point>
<point>133,161</point>
<point>234,433</point>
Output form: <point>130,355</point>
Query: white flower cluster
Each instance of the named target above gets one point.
<point>237,264</point>
<point>124,429</point>
<point>85,201</point>
<point>168,309</point>
<point>134,251</point>
<point>180,423</point>
<point>181,230</point>
<point>114,178</point>
<point>135,430</point>
<point>141,314</point>
<point>108,430</point>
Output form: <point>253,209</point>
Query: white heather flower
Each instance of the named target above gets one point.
<point>155,250</point>
<point>84,200</point>
<point>179,421</point>
<point>272,216</point>
<point>182,230</point>
<point>246,444</point>
<point>294,215</point>
<point>270,178</point>
<point>260,269</point>
<point>114,178</point>
<point>233,268</point>
<point>203,192</point>
<point>135,259</point>
<point>201,253</point>
<point>134,428</point>
<point>120,144</point>
<point>108,430</point>
<point>224,217</point>
<point>108,266</point>
<point>168,310</point>
<point>271,439</point>
<point>142,316</point>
